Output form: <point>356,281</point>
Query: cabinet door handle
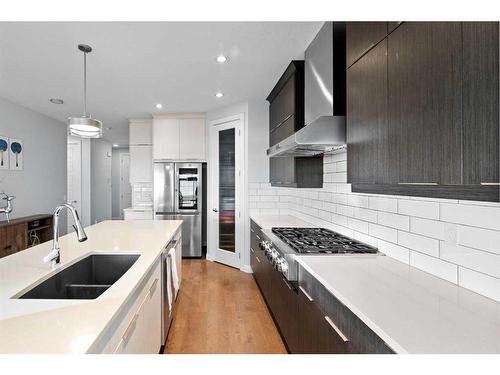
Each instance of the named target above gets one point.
<point>252,250</point>
<point>251,230</point>
<point>130,328</point>
<point>286,283</point>
<point>336,329</point>
<point>418,183</point>
<point>490,183</point>
<point>306,294</point>
<point>258,260</point>
<point>153,287</point>
<point>258,237</point>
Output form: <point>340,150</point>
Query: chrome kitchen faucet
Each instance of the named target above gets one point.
<point>54,256</point>
<point>7,209</point>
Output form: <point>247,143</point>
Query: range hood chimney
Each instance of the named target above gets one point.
<point>325,97</point>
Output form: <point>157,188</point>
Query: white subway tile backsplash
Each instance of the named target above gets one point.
<point>269,198</point>
<point>383,204</point>
<point>429,210</point>
<point>394,251</point>
<point>340,220</point>
<point>384,233</point>
<point>394,220</point>
<point>369,240</point>
<point>438,267</point>
<point>358,225</point>
<point>419,243</point>
<point>477,216</point>
<point>267,192</point>
<point>341,166</point>
<point>479,282</point>
<point>479,238</point>
<point>357,201</point>
<point>477,260</point>
<point>365,214</point>
<point>345,210</point>
<point>435,229</point>
<point>330,168</point>
<point>339,177</point>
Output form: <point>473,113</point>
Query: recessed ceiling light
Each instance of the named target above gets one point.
<point>159,106</point>
<point>221,59</point>
<point>115,145</point>
<point>219,95</point>
<point>56,101</point>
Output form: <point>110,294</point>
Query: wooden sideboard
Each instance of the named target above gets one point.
<point>24,232</point>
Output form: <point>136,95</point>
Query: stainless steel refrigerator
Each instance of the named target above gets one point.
<point>178,196</point>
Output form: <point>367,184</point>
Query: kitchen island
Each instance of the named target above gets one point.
<point>80,326</point>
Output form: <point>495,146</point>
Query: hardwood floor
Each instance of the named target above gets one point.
<point>220,310</point>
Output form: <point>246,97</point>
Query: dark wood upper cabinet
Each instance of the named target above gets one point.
<point>370,147</point>
<point>361,36</point>
<point>286,116</point>
<point>392,25</point>
<point>425,100</point>
<point>480,102</point>
<point>287,99</point>
<point>425,120</point>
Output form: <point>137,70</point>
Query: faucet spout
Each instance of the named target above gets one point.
<point>54,256</point>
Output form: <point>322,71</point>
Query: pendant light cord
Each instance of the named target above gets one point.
<point>85,84</point>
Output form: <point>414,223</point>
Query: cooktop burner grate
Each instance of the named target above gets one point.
<point>321,241</point>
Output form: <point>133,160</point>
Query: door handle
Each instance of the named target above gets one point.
<point>215,210</point>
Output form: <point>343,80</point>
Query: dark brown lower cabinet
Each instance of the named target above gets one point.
<point>310,319</point>
<point>357,337</point>
<point>315,333</point>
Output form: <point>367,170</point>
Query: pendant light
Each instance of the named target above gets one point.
<point>85,126</point>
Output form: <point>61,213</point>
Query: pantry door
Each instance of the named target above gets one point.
<point>227,190</point>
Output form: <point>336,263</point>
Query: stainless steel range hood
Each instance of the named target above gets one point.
<point>325,98</point>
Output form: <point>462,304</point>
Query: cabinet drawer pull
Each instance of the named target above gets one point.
<point>286,283</point>
<point>490,183</point>
<point>258,237</point>
<point>130,328</point>
<point>336,329</point>
<point>258,260</point>
<point>418,183</point>
<point>153,287</point>
<point>252,250</point>
<point>251,230</point>
<point>306,294</point>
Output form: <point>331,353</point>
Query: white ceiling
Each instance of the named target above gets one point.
<point>135,65</point>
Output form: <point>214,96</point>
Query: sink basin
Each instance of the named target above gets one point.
<point>86,279</point>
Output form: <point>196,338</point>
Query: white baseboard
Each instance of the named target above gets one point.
<point>246,268</point>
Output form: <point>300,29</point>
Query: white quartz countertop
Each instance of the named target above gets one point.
<point>269,221</point>
<point>412,311</point>
<point>72,326</point>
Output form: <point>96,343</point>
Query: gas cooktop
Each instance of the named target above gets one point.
<point>321,241</point>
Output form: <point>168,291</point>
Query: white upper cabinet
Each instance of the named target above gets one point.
<point>165,138</point>
<point>141,164</point>
<point>179,137</point>
<point>192,138</point>
<point>140,132</point>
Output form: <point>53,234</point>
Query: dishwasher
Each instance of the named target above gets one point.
<point>168,292</point>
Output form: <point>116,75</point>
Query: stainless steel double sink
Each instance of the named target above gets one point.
<point>88,278</point>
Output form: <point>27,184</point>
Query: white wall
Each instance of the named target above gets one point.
<point>115,181</point>
<point>453,239</point>
<point>100,180</point>
<point>41,185</point>
<point>258,140</point>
